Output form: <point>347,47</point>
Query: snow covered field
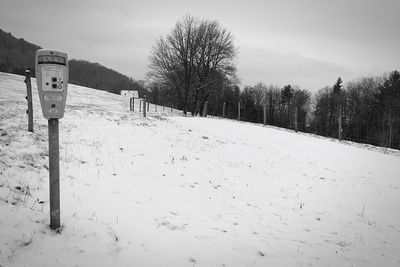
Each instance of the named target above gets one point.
<point>175,191</point>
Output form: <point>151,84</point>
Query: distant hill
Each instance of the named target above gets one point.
<point>16,55</point>
<point>96,76</point>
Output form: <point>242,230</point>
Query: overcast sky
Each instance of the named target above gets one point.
<point>308,43</point>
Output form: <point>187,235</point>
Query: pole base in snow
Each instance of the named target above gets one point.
<point>54,174</point>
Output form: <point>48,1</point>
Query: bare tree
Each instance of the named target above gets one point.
<point>259,93</point>
<point>192,59</point>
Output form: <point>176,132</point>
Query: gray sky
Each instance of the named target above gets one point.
<point>300,42</point>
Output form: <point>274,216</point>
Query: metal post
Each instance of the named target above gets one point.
<point>265,114</point>
<point>133,104</point>
<point>223,110</point>
<point>205,109</point>
<point>295,120</point>
<point>130,104</point>
<point>29,99</point>
<point>148,106</point>
<point>239,111</point>
<point>140,105</point>
<point>54,174</point>
<point>144,106</point>
<point>340,125</point>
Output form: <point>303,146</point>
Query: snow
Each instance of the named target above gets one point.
<point>168,190</point>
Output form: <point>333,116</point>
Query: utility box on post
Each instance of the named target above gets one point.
<point>52,81</point>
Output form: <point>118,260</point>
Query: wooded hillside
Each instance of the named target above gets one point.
<point>16,55</point>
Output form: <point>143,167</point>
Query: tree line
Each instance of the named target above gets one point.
<point>369,109</point>
<point>193,66</point>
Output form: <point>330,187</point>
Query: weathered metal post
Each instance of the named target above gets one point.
<point>144,106</point>
<point>265,114</point>
<point>340,125</point>
<point>54,174</point>
<point>130,104</point>
<point>205,109</point>
<point>29,99</point>
<point>239,111</point>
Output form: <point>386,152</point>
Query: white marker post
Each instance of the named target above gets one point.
<point>52,82</point>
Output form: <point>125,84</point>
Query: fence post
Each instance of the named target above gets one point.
<point>340,125</point>
<point>205,109</point>
<point>130,104</point>
<point>148,105</point>
<point>223,110</point>
<point>144,106</point>
<point>265,114</point>
<point>29,99</point>
<point>239,111</point>
<point>295,119</point>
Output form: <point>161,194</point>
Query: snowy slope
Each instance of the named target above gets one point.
<point>175,191</point>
